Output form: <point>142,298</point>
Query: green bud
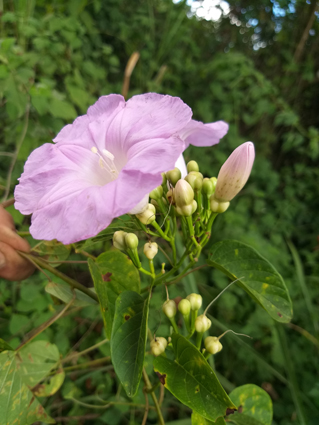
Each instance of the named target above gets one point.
<point>147,216</point>
<point>208,187</point>
<point>195,300</point>
<point>158,346</point>
<point>192,166</point>
<point>214,181</point>
<point>174,176</point>
<point>196,173</point>
<point>218,207</point>
<point>169,308</point>
<point>150,250</point>
<point>183,193</point>
<point>198,183</point>
<point>202,323</point>
<point>190,178</point>
<point>213,345</point>
<point>184,307</point>
<point>119,240</point>
<point>187,210</point>
<point>157,193</point>
<point>131,241</point>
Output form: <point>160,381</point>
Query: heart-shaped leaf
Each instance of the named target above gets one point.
<point>254,406</point>
<point>256,276</point>
<point>192,381</point>
<point>112,273</point>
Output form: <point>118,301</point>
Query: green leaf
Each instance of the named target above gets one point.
<point>53,251</point>
<point>256,276</point>
<point>254,406</point>
<point>20,371</point>
<point>112,274</point>
<point>197,419</point>
<point>4,346</point>
<point>65,294</point>
<point>62,109</point>
<point>128,342</point>
<point>192,381</point>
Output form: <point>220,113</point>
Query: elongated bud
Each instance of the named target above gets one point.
<point>195,300</point>
<point>119,240</point>
<point>174,176</point>
<point>147,216</point>
<point>169,308</point>
<point>187,210</point>
<point>131,241</point>
<point>217,206</point>
<point>213,345</point>
<point>235,172</point>
<point>150,250</point>
<point>183,194</point>
<point>202,323</point>
<point>158,346</point>
<point>184,307</point>
<point>157,193</point>
<point>192,166</point>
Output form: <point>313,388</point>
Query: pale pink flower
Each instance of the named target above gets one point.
<point>235,172</point>
<point>104,164</point>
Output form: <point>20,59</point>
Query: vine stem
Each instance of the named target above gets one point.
<point>73,283</point>
<point>157,407</point>
<point>87,350</point>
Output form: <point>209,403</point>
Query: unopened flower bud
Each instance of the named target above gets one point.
<point>147,216</point>
<point>194,180</point>
<point>119,240</point>
<point>184,307</point>
<point>187,210</point>
<point>131,241</point>
<point>196,173</point>
<point>174,176</point>
<point>183,193</point>
<point>170,197</point>
<point>150,250</point>
<point>214,181</point>
<point>157,193</point>
<point>195,300</point>
<point>198,183</point>
<point>192,166</point>
<point>208,187</point>
<point>202,323</point>
<point>169,308</point>
<point>158,346</point>
<point>234,173</point>
<point>217,206</point>
<point>213,345</point>
<point>164,181</point>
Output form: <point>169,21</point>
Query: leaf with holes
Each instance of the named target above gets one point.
<point>192,381</point>
<point>112,273</point>
<point>128,342</point>
<point>19,373</point>
<point>53,251</point>
<point>256,276</point>
<point>254,406</point>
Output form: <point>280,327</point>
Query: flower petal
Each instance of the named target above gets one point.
<point>198,134</point>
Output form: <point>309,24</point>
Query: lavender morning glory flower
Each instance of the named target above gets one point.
<point>104,164</point>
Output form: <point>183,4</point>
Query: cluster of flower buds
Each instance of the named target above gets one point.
<point>213,345</point>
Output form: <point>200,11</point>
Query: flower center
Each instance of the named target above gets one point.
<point>106,162</point>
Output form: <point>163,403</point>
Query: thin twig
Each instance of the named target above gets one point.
<point>146,409</point>
<point>305,34</point>
<point>128,72</point>
<point>87,350</point>
<point>73,283</point>
<point>40,269</point>
<point>16,152</point>
<point>157,407</point>
<point>77,418</point>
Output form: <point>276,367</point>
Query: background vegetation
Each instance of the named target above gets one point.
<point>257,68</point>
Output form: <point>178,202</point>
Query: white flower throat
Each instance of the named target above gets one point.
<point>106,162</point>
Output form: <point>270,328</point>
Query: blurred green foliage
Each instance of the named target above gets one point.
<point>257,69</point>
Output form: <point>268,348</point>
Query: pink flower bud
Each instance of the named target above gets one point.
<point>234,173</point>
